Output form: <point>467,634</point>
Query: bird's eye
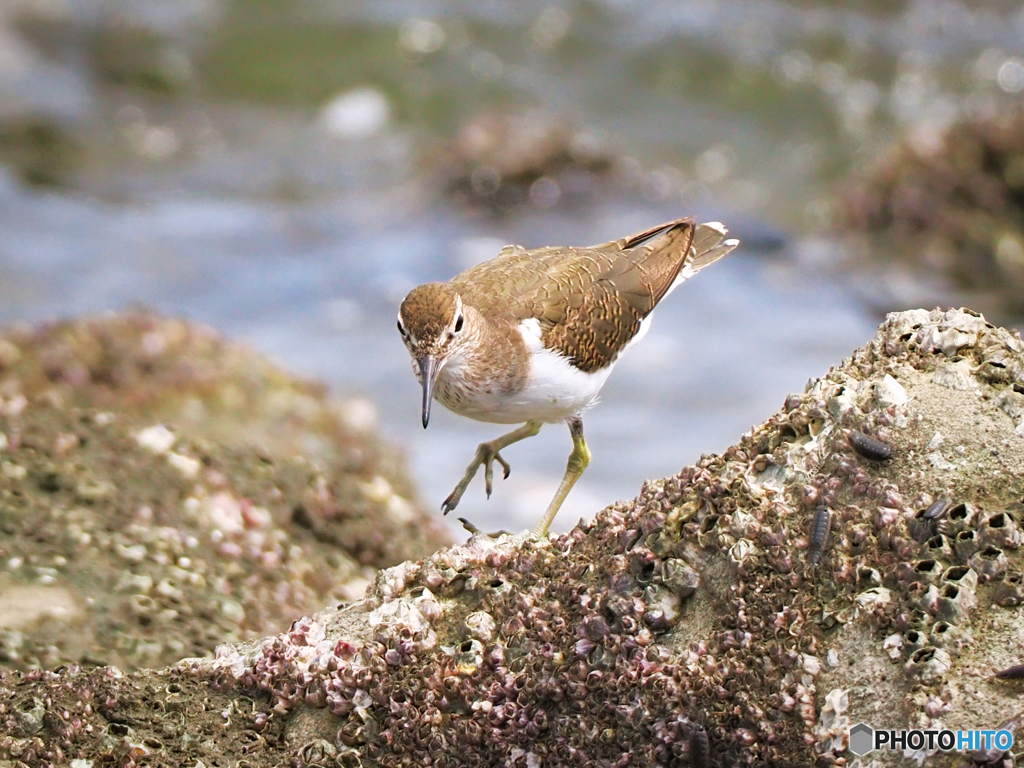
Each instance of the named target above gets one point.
<point>401,329</point>
<point>458,323</point>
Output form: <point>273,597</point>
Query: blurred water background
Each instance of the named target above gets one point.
<point>286,170</point>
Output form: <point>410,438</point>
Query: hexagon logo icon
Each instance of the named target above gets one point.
<point>862,738</point>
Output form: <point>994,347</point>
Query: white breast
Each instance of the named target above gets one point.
<point>556,389</point>
<point>553,391</point>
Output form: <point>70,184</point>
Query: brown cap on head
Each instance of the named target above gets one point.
<point>429,310</point>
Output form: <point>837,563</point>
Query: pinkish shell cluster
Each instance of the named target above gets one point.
<point>689,626</point>
<point>715,620</point>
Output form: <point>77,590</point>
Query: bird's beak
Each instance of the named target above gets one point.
<point>428,374</point>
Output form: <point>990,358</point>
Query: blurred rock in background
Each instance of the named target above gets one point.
<point>954,211</point>
<point>502,161</point>
<point>163,491</point>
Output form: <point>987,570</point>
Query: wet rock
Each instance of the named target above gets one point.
<point>541,651</point>
<point>41,103</point>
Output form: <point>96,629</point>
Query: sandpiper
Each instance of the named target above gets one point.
<point>530,337</point>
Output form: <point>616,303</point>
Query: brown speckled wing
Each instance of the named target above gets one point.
<point>589,301</point>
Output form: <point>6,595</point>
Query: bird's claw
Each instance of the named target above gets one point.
<point>490,457</point>
<point>456,495</point>
<point>485,456</point>
<point>452,501</point>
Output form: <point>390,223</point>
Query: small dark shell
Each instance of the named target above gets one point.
<point>993,753</point>
<point>1011,673</point>
<point>937,508</point>
<point>699,751</point>
<point>819,532</point>
<point>868,447</point>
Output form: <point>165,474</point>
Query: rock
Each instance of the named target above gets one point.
<point>954,211</point>
<point>500,161</point>
<point>575,650</point>
<point>55,109</point>
<point>163,491</point>
<point>888,392</point>
<point>956,375</point>
<point>1011,400</point>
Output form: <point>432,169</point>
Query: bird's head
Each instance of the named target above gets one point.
<point>432,323</point>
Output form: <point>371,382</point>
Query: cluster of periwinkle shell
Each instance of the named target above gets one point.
<point>692,625</point>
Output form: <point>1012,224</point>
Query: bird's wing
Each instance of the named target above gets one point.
<point>590,301</point>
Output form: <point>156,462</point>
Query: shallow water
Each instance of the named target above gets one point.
<point>241,193</point>
<point>317,287</point>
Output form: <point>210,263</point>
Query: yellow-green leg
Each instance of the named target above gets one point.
<point>578,461</point>
<point>486,455</point>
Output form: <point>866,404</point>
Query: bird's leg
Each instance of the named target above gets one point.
<point>486,455</point>
<point>578,461</point>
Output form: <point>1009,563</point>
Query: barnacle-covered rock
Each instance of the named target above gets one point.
<point>679,576</point>
<point>960,517</point>
<point>185,379</point>
<point>966,544</point>
<point>951,637</point>
<point>955,603</point>
<point>922,526</point>
<point>926,570</point>
<point>134,532</point>
<point>928,664</point>
<point>685,627</point>
<point>988,563</point>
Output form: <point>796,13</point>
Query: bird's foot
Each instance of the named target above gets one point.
<point>469,526</point>
<point>477,532</point>
<point>486,455</point>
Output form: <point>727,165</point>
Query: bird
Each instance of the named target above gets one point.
<point>531,336</point>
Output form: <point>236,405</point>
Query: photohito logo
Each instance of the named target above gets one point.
<point>864,739</point>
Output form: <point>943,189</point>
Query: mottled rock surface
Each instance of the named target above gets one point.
<point>743,612</point>
<point>163,491</point>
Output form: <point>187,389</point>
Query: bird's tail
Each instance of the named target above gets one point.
<point>670,253</point>
<point>709,245</point>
